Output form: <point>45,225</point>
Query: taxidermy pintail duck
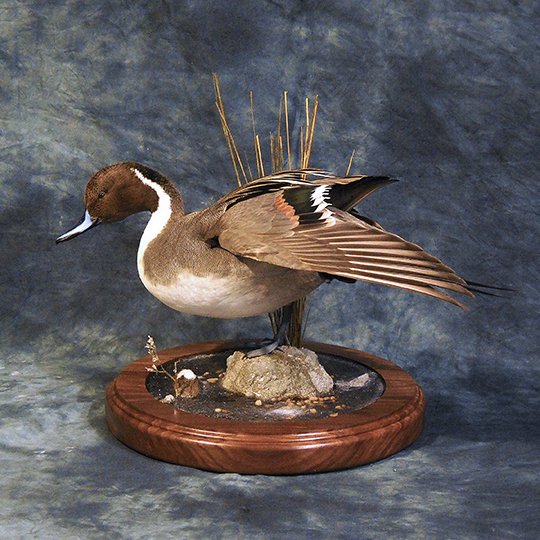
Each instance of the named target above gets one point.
<point>262,246</point>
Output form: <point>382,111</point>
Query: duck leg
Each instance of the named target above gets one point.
<point>280,337</point>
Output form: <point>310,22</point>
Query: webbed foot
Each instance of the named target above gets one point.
<point>280,339</point>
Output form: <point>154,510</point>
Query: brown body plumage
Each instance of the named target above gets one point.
<point>262,246</point>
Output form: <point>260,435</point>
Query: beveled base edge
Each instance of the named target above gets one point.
<point>150,427</point>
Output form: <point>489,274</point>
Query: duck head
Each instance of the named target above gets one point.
<point>116,192</point>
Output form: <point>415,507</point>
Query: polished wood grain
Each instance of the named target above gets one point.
<point>379,430</point>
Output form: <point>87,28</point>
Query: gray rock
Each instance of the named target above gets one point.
<point>285,373</point>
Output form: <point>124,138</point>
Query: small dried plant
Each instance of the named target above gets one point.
<point>185,382</point>
<point>157,366</point>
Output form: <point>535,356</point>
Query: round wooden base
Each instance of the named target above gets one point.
<point>354,438</point>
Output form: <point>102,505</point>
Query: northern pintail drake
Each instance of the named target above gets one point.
<point>262,246</point>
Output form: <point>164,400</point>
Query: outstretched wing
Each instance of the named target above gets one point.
<point>290,221</point>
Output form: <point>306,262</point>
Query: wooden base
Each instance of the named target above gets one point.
<point>354,438</point>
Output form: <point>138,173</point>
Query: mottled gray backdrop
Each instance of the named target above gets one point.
<point>442,94</point>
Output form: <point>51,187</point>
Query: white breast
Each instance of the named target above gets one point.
<point>218,297</point>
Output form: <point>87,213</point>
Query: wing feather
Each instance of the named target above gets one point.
<point>273,221</point>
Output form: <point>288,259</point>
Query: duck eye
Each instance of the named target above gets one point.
<point>101,194</point>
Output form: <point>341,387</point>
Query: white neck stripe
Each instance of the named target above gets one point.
<point>159,218</point>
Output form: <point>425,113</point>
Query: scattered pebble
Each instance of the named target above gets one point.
<point>358,382</point>
<point>213,380</point>
<point>258,403</point>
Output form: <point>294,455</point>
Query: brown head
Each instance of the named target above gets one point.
<point>120,190</point>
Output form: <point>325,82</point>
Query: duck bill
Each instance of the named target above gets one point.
<point>86,224</point>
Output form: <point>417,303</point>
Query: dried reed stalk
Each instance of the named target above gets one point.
<point>277,152</point>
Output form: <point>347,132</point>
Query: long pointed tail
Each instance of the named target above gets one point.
<point>488,290</point>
